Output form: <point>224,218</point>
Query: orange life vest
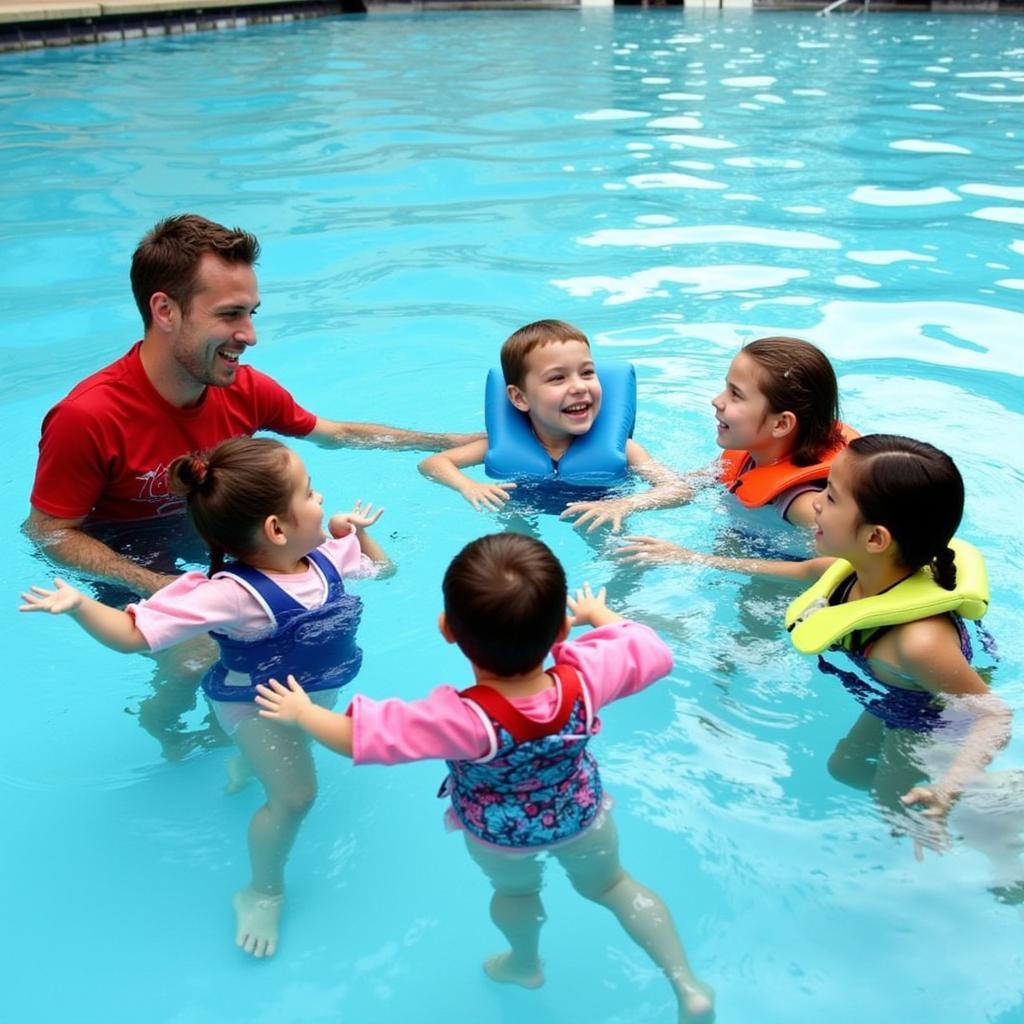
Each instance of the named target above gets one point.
<point>759,485</point>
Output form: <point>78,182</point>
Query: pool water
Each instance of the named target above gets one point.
<point>674,183</point>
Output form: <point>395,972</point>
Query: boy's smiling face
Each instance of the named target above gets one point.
<point>561,393</point>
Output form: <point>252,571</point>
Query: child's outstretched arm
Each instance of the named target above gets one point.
<point>929,653</point>
<point>446,468</point>
<point>113,628</point>
<point>668,489</point>
<point>291,705</point>
<point>654,551</point>
<point>358,521</point>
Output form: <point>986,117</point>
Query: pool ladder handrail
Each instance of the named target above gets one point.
<point>836,4</point>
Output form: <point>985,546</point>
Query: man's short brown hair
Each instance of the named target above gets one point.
<point>167,258</point>
<point>519,345</point>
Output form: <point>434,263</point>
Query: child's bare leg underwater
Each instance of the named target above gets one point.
<point>592,864</point>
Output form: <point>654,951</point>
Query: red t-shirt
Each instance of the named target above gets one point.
<point>105,448</point>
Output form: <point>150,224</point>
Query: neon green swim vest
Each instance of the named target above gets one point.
<point>814,626</point>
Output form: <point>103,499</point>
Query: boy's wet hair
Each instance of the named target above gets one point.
<point>504,601</point>
<point>520,344</point>
<point>230,491</point>
<point>167,258</point>
<point>796,376</point>
<point>916,492</point>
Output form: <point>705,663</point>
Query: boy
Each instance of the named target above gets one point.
<point>551,378</point>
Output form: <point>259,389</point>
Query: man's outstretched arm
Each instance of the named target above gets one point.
<point>66,543</point>
<point>333,434</point>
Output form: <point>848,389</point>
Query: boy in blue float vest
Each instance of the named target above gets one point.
<point>551,432</point>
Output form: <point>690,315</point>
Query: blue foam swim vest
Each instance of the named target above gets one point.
<point>597,457</point>
<point>316,645</point>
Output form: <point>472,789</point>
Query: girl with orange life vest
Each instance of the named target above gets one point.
<point>778,421</point>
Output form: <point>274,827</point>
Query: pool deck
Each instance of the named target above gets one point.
<point>60,10</point>
<point>37,24</point>
<point>40,24</point>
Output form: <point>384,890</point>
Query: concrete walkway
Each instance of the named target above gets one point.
<point>45,10</point>
<point>34,24</point>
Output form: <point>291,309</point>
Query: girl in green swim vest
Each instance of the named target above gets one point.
<point>891,589</point>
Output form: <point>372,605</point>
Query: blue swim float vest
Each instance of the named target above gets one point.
<point>598,457</point>
<point>316,645</point>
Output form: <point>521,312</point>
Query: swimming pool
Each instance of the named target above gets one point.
<point>674,183</point>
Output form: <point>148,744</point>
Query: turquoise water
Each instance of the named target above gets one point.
<point>674,183</point>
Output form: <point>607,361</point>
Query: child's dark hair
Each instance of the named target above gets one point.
<point>915,492</point>
<point>229,492</point>
<point>530,336</point>
<point>504,600</point>
<point>796,376</point>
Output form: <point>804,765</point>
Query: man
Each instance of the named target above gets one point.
<point>105,448</point>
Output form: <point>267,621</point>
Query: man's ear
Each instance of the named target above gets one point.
<point>164,311</point>
<point>517,398</point>
<point>442,625</point>
<point>784,425</point>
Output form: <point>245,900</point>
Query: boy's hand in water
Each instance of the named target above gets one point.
<point>653,551</point>
<point>64,599</point>
<point>598,513</point>
<point>284,704</point>
<point>341,524</point>
<point>484,496</point>
<point>589,609</point>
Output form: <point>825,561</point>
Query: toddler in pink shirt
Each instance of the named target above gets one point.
<point>521,779</point>
<point>281,602</point>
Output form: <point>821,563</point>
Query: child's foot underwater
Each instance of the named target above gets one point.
<point>502,967</point>
<point>258,917</point>
<point>697,1004</point>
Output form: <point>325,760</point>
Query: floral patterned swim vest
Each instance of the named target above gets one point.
<point>538,784</point>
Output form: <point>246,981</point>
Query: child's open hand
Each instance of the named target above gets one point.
<point>341,524</point>
<point>593,514</point>
<point>935,801</point>
<point>589,609</point>
<point>653,551</point>
<point>933,804</point>
<point>485,496</point>
<point>282,703</point>
<point>64,599</point>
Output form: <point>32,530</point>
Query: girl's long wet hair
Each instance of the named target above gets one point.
<point>230,491</point>
<point>796,376</point>
<point>915,492</point>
